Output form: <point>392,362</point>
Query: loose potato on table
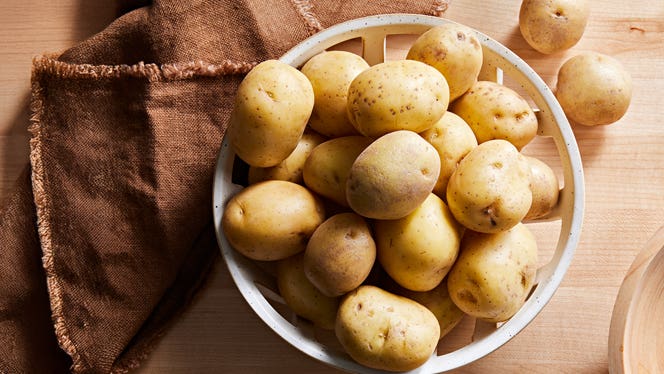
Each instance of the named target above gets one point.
<point>490,189</point>
<point>495,111</point>
<point>419,249</point>
<point>272,106</point>
<point>384,331</point>
<point>302,297</point>
<point>594,89</point>
<point>397,95</point>
<point>340,254</point>
<point>392,176</point>
<point>330,74</point>
<point>455,51</point>
<point>271,220</point>
<point>551,26</point>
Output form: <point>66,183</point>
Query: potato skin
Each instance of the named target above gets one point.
<point>272,106</point>
<point>551,26</point>
<point>392,176</point>
<point>495,111</point>
<point>302,296</point>
<point>490,189</point>
<point>271,220</point>
<point>340,254</point>
<point>455,51</point>
<point>397,95</point>
<point>494,273</point>
<point>330,74</point>
<point>544,187</point>
<point>594,89</point>
<point>384,331</point>
<point>418,250</point>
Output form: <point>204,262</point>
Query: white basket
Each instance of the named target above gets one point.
<point>257,285</point>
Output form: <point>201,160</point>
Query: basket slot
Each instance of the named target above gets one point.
<point>373,47</point>
<point>483,329</point>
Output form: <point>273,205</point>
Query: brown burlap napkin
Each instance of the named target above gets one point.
<point>109,230</point>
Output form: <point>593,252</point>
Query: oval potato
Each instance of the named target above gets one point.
<point>544,187</point>
<point>551,26</point>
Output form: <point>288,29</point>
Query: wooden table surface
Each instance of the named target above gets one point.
<point>624,175</point>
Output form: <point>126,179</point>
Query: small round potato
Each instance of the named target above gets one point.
<point>544,186</point>
<point>494,273</point>
<point>453,139</point>
<point>271,220</point>
<point>289,169</point>
<point>490,189</point>
<point>302,296</point>
<point>385,331</point>
<point>330,74</point>
<point>495,111</point>
<point>392,176</point>
<point>594,89</point>
<point>272,106</point>
<point>419,249</point>
<point>455,51</point>
<point>397,95</point>
<point>340,254</point>
<point>551,26</point>
<point>326,169</point>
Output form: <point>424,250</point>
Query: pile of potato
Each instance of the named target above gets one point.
<point>391,197</point>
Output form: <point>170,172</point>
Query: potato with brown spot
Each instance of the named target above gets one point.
<point>385,331</point>
<point>495,111</point>
<point>490,189</point>
<point>494,273</point>
<point>544,187</point>
<point>455,51</point>
<point>271,220</point>
<point>392,176</point>
<point>551,26</point>
<point>340,254</point>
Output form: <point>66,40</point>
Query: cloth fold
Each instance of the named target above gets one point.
<point>109,231</point>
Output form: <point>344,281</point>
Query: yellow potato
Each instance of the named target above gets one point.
<point>594,89</point>
<point>272,106</point>
<point>455,51</point>
<point>453,139</point>
<point>302,297</point>
<point>271,220</point>
<point>494,111</point>
<point>289,169</point>
<point>326,169</point>
<point>384,331</point>
<point>419,249</point>
<point>494,273</point>
<point>544,187</point>
<point>340,254</point>
<point>397,95</point>
<point>490,189</point>
<point>330,74</point>
<point>392,176</point>
<point>551,26</point>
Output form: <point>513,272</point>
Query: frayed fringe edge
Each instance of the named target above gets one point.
<point>439,7</point>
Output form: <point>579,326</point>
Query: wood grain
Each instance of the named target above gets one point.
<point>624,173</point>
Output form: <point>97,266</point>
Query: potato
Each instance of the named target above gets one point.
<point>495,111</point>
<point>326,169</point>
<point>392,176</point>
<point>384,331</point>
<point>397,95</point>
<point>419,249</point>
<point>453,139</point>
<point>340,254</point>
<point>494,273</point>
<point>439,302</point>
<point>271,220</point>
<point>272,106</point>
<point>302,297</point>
<point>544,187</point>
<point>289,169</point>
<point>490,189</point>
<point>551,26</point>
<point>452,49</point>
<point>594,89</point>
<point>330,74</point>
